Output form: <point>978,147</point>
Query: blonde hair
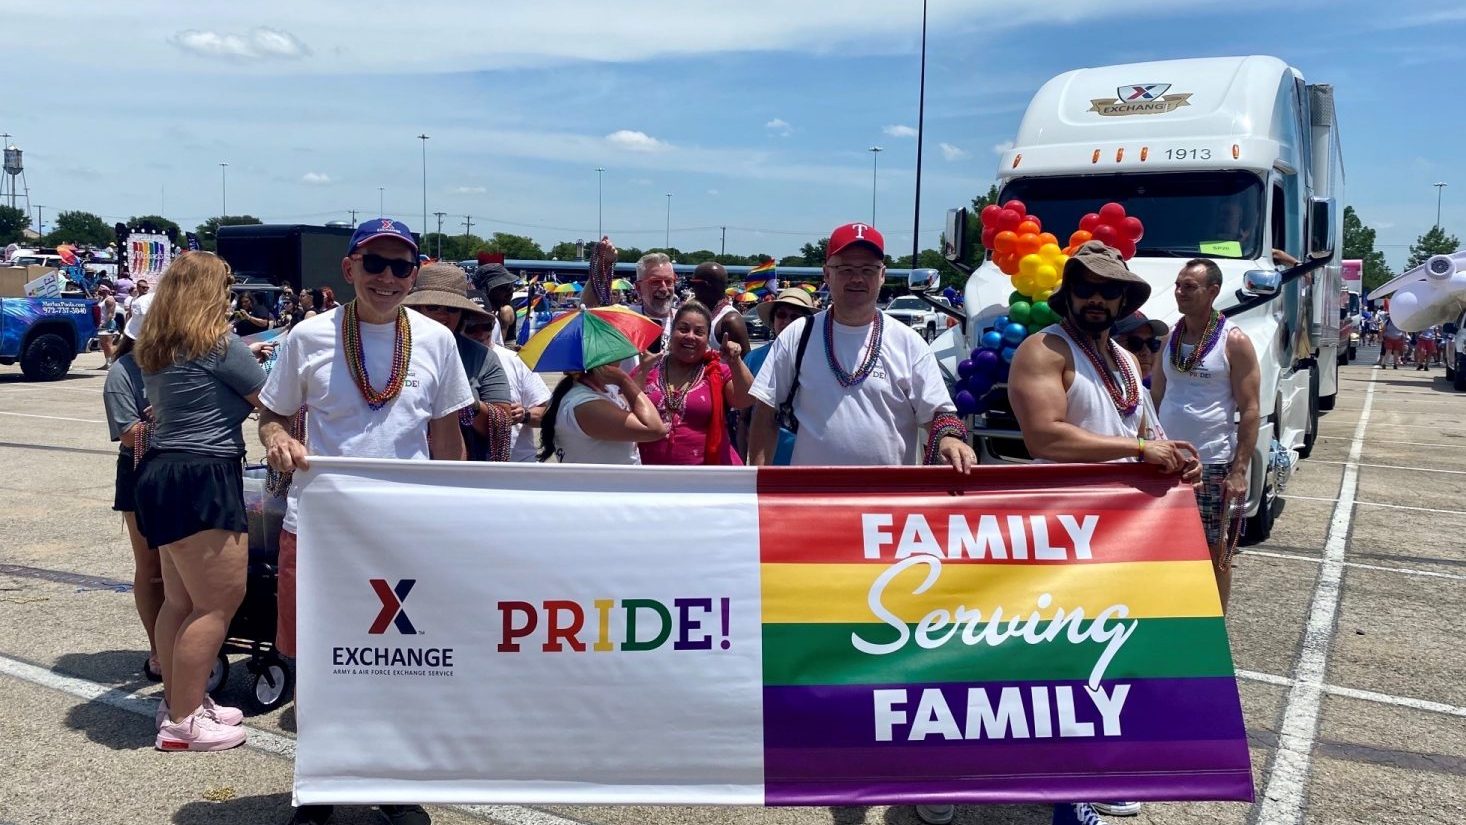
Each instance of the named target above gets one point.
<point>189,317</point>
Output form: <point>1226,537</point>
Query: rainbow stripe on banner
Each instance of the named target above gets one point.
<point>1055,640</point>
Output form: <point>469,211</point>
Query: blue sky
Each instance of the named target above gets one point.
<point>755,116</point>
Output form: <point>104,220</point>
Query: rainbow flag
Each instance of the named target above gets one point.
<point>761,279</point>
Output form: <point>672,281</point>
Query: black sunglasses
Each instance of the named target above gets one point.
<point>1109,290</point>
<point>1135,343</point>
<point>374,264</point>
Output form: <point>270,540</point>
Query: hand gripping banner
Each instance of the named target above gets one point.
<point>479,633</point>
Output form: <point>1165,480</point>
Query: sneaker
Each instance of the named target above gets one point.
<point>1117,808</point>
<point>223,714</point>
<point>198,732</point>
<point>936,814</point>
<point>1076,813</point>
<point>311,815</point>
<point>406,814</point>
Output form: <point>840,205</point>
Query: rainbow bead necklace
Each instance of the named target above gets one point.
<point>872,354</point>
<point>356,361</point>
<point>1210,335</point>
<point>1126,398</point>
<point>674,402</point>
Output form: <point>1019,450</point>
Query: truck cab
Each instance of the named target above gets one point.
<point>1233,159</point>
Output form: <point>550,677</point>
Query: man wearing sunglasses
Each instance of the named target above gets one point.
<point>376,381</point>
<point>1141,337</point>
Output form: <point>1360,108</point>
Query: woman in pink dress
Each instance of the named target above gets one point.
<point>693,389</point>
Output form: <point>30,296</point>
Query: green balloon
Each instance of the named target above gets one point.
<point>1041,314</point>
<point>1035,327</point>
<point>1016,297</point>
<point>1020,312</point>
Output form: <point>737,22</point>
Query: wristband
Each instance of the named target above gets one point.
<point>1140,449</point>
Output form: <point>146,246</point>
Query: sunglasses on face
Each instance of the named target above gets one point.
<point>1109,290</point>
<point>787,314</point>
<point>1135,343</point>
<point>375,264</point>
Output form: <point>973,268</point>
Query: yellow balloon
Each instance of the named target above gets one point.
<point>1046,277</point>
<point>1028,265</point>
<point>1024,283</point>
<point>1049,252</point>
<point>1043,295</point>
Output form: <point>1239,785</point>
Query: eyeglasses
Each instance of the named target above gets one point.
<point>1135,343</point>
<point>1109,290</point>
<point>788,314</point>
<point>375,264</point>
<point>867,271</point>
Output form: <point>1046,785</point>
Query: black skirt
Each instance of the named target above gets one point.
<point>125,499</point>
<point>181,493</point>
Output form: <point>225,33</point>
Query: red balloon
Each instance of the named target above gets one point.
<point>1112,213</point>
<point>1009,219</point>
<point>1126,247</point>
<point>988,235</point>
<point>989,214</point>
<point>1107,235</point>
<point>1089,222</point>
<point>1132,228</point>
<point>1017,206</point>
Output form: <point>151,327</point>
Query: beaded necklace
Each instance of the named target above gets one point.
<point>1210,335</point>
<point>674,402</point>
<point>1126,398</point>
<point>356,361</point>
<point>872,354</point>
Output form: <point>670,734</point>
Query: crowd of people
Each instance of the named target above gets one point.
<point>840,385</point>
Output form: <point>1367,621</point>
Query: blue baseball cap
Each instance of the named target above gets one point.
<point>381,228</point>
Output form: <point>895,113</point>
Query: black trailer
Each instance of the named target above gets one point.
<point>306,257</point>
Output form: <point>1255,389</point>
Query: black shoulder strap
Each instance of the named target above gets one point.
<point>799,360</point>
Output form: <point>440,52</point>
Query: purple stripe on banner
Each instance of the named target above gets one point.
<point>1175,710</point>
<point>1224,786</point>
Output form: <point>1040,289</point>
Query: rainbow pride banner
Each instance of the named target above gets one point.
<point>820,636</point>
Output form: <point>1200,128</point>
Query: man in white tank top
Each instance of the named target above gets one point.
<point>709,284</point>
<point>1208,388</point>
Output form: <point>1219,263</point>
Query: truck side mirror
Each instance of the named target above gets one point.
<point>1321,215</point>
<point>922,280</point>
<point>1262,281</point>
<point>954,237</point>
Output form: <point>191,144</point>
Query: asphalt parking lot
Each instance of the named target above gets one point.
<point>1344,631</point>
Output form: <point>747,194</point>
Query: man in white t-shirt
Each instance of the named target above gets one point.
<point>656,286</point>
<point>376,412</point>
<point>867,385</point>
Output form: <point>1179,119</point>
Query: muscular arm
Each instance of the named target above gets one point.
<point>282,452</point>
<point>733,327</point>
<point>1246,388</point>
<point>1158,374</point>
<point>507,322</point>
<point>763,435</point>
<point>445,441</point>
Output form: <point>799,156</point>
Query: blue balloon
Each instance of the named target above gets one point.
<point>966,403</point>
<point>1007,354</point>
<point>986,362</point>
<point>1014,333</point>
<point>992,339</point>
<point>1000,323</point>
<point>964,369</point>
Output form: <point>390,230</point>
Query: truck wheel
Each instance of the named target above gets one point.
<point>1326,402</point>
<point>1459,382</point>
<point>1260,527</point>
<point>1353,352</point>
<point>929,334</point>
<point>46,358</point>
<point>1310,429</point>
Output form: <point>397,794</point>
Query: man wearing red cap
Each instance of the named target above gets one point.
<point>866,388</point>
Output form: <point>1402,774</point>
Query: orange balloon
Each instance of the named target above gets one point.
<point>1071,249</point>
<point>1048,237</point>
<point>1028,244</point>
<point>1028,227</point>
<point>1080,237</point>
<point>1003,241</point>
<point>1008,263</point>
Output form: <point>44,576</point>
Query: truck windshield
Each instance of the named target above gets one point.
<point>1186,214</point>
<point>907,302</point>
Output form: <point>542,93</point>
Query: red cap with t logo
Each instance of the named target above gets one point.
<point>850,233</point>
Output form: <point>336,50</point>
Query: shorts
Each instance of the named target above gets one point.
<point>1394,345</point>
<point>181,493</point>
<point>124,500</point>
<point>1211,499</point>
<point>285,596</point>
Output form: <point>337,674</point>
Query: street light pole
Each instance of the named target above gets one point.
<point>1438,187</point>
<point>920,122</point>
<point>875,152</point>
<point>381,193</point>
<point>40,224</point>
<point>424,138</point>
<point>440,234</point>
<point>667,244</point>
<point>223,189</point>
<point>600,170</point>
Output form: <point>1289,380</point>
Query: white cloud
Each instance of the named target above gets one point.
<point>469,190</point>
<point>951,152</point>
<point>641,181</point>
<point>900,131</point>
<point>259,44</point>
<point>713,192</point>
<point>315,178</point>
<point>780,127</point>
<point>1000,148</point>
<point>636,141</point>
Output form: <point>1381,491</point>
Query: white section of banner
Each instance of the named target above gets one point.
<point>392,717</point>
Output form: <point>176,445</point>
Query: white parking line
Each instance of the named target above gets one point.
<point>1353,693</point>
<point>263,740</point>
<point>53,417</point>
<point>1373,441</point>
<point>1382,504</point>
<point>1287,787</point>
<point>1362,566</point>
<point>1390,467</point>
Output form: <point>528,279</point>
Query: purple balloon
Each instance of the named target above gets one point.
<point>986,362</point>
<point>979,385</point>
<point>965,402</point>
<point>964,369</point>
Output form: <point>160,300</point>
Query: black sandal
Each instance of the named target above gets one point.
<point>152,675</point>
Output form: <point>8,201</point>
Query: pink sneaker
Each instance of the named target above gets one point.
<point>198,733</point>
<point>223,714</point>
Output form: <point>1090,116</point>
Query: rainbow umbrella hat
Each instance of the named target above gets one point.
<point>588,338</point>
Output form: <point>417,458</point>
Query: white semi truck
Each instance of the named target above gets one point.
<point>1234,159</point>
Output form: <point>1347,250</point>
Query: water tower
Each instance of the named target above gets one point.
<point>14,174</point>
